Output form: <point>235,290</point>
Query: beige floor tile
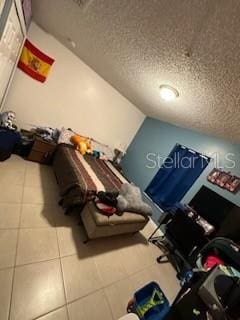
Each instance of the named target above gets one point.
<point>37,289</point>
<point>8,244</point>
<point>40,176</point>
<point>140,279</point>
<point>70,241</point>
<point>38,215</point>
<point>155,251</point>
<point>154,273</point>
<point>109,244</point>
<point>5,292</point>
<point>11,193</point>
<point>37,245</point>
<point>63,220</point>
<point>39,195</point>
<point>9,215</point>
<point>136,257</point>
<point>80,277</point>
<point>92,307</point>
<point>14,163</point>
<point>118,296</point>
<point>16,159</point>
<point>150,252</point>
<point>33,179</point>
<point>12,176</point>
<point>110,267</point>
<point>33,168</point>
<point>150,228</point>
<point>32,164</point>
<point>60,314</point>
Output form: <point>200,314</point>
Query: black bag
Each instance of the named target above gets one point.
<point>108,198</point>
<point>8,140</point>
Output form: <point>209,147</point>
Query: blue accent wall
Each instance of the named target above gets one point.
<point>156,139</point>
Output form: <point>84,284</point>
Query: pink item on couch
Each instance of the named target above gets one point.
<point>104,208</point>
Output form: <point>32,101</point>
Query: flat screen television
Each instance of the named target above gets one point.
<point>211,206</point>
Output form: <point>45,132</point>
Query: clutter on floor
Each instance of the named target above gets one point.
<point>149,303</point>
<point>210,281</point>
<point>213,294</point>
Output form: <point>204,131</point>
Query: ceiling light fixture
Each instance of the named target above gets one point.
<point>168,93</point>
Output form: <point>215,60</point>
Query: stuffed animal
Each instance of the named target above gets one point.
<point>83,145</point>
<point>99,155</point>
<point>7,118</point>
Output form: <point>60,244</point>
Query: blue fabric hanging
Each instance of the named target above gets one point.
<point>177,174</point>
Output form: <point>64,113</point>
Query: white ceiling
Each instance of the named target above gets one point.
<point>137,45</point>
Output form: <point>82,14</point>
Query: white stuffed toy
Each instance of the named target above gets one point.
<point>7,118</point>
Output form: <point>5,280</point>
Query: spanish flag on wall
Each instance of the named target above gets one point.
<point>34,62</point>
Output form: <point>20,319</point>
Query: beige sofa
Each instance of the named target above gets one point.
<point>98,225</point>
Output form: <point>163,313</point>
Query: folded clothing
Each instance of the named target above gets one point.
<point>47,133</point>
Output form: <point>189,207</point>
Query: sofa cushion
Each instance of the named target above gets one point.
<point>125,218</point>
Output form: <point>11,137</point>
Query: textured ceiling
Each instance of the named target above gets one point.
<point>137,45</point>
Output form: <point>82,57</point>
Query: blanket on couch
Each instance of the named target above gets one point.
<point>80,178</point>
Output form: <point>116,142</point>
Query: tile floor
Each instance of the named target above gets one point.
<point>47,273</point>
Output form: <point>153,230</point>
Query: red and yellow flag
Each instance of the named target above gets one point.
<point>34,62</point>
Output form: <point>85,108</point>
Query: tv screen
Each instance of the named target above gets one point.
<point>211,206</point>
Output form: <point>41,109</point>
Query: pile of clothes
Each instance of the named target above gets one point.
<point>129,199</point>
<point>47,133</point>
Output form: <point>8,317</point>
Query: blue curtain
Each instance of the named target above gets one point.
<point>176,176</point>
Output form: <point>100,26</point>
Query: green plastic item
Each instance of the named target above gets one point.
<point>196,312</point>
<point>156,299</point>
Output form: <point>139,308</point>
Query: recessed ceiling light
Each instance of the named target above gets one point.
<point>168,93</point>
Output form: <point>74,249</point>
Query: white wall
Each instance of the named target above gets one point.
<point>73,96</point>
